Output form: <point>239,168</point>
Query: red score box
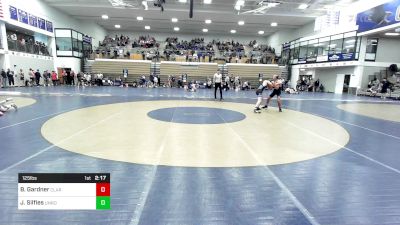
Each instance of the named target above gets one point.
<point>103,189</point>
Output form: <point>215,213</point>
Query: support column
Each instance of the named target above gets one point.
<point>3,36</point>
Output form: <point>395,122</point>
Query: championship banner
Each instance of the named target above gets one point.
<point>1,10</point>
<point>380,16</point>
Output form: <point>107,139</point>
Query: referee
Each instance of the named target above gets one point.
<point>218,84</point>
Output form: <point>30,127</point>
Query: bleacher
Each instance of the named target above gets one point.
<point>249,72</point>
<point>194,70</point>
<point>113,68</point>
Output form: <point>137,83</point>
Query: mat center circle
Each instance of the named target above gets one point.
<point>196,115</point>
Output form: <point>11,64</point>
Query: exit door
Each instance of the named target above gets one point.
<point>342,83</point>
<point>346,83</point>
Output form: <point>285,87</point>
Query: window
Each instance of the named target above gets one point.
<point>349,46</point>
<point>372,46</point>
<point>69,43</point>
<point>291,51</point>
<point>296,53</point>
<point>312,50</point>
<point>336,45</point>
<point>64,44</point>
<point>340,47</point>
<point>303,52</point>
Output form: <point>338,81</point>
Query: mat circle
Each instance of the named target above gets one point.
<point>196,115</point>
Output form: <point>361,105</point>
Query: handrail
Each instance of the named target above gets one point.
<point>35,49</point>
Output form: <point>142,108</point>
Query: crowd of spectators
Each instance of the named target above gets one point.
<point>388,86</point>
<point>113,42</point>
<point>196,44</point>
<point>264,49</point>
<point>145,42</point>
<point>194,50</point>
<point>375,86</point>
<point>229,46</point>
<point>25,43</point>
<point>309,84</point>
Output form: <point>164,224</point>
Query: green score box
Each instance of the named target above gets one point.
<point>103,203</point>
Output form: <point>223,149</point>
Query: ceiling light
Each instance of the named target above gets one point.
<point>104,17</point>
<point>207,1</point>
<point>117,26</point>
<point>274,24</point>
<point>351,41</point>
<point>349,46</point>
<point>183,1</point>
<point>140,18</point>
<point>176,29</point>
<point>241,22</point>
<point>261,32</point>
<point>208,21</point>
<point>392,34</point>
<point>174,20</point>
<point>239,4</point>
<point>147,27</point>
<point>119,3</point>
<point>270,4</point>
<point>144,3</point>
<point>303,6</point>
<point>205,30</point>
<point>233,31</point>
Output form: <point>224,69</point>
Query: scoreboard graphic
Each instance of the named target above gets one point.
<point>64,191</point>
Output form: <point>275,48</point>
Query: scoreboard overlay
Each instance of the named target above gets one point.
<point>64,191</point>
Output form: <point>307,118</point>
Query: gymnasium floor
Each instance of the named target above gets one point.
<point>182,158</point>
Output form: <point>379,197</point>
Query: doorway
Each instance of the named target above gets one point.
<point>60,71</point>
<point>346,83</point>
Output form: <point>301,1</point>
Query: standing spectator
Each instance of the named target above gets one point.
<point>217,83</point>
<point>27,78</point>
<point>155,81</point>
<point>64,77</point>
<point>226,83</point>
<point>151,79</point>
<point>79,78</point>
<point>3,78</point>
<point>10,77</point>
<point>37,77</point>
<point>316,85</point>
<point>385,86</point>
<point>31,76</point>
<point>46,77</point>
<point>22,77</point>
<point>73,77</point>
<point>54,78</point>
<point>68,75</point>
